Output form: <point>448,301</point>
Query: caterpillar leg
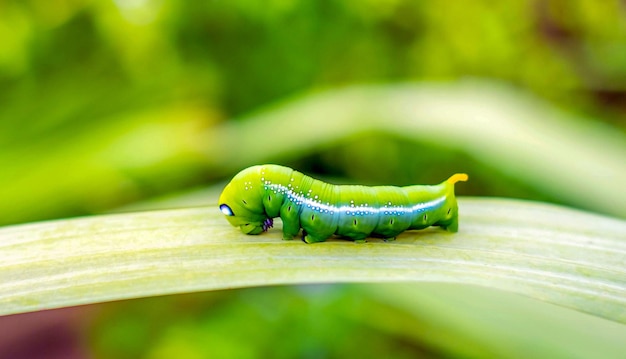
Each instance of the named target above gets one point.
<point>291,221</point>
<point>315,227</point>
<point>309,238</point>
<point>452,226</point>
<point>312,238</point>
<point>389,239</point>
<point>290,230</point>
<point>359,238</point>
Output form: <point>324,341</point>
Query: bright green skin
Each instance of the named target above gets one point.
<point>322,210</point>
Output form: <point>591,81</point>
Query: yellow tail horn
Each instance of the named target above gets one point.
<point>457,177</point>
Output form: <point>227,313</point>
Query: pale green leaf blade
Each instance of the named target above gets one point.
<point>570,258</point>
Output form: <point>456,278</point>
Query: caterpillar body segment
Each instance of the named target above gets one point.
<point>260,193</point>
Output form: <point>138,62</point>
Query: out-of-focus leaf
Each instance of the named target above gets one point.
<point>102,167</point>
<point>573,159</point>
<point>558,255</point>
<point>469,321</point>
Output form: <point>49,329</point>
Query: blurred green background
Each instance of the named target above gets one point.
<point>105,104</point>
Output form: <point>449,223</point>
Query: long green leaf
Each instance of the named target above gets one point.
<point>465,321</point>
<point>558,255</point>
<point>573,159</point>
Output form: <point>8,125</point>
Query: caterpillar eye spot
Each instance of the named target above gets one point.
<point>226,210</point>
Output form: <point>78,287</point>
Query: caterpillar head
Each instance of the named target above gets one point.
<point>241,203</point>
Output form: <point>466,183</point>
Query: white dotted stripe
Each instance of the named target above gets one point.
<point>299,198</point>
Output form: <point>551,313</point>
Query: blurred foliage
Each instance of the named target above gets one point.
<point>122,90</point>
<point>93,57</point>
<point>417,320</point>
<point>283,322</point>
<point>104,103</point>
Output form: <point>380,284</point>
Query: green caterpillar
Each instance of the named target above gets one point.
<point>260,193</point>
